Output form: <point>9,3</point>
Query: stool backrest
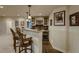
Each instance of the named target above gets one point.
<point>13,33</point>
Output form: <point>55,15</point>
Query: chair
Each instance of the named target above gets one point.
<point>24,42</point>
<point>18,31</point>
<point>15,39</point>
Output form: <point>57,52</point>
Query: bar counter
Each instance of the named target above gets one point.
<point>36,37</point>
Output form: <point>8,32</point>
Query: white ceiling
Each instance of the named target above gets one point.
<point>20,10</point>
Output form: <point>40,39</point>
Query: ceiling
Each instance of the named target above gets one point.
<point>20,10</point>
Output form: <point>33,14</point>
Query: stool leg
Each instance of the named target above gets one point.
<point>19,49</point>
<point>31,48</point>
<point>25,49</point>
<point>15,49</point>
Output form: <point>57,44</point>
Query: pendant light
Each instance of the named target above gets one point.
<point>29,15</point>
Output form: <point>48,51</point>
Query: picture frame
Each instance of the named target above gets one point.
<point>22,23</point>
<point>16,23</point>
<point>59,18</point>
<point>74,19</point>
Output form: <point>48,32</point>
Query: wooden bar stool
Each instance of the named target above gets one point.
<point>25,42</point>
<point>15,40</point>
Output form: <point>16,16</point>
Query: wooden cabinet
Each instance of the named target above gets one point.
<point>41,23</point>
<point>45,21</point>
<point>40,20</point>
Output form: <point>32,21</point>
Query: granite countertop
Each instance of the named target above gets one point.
<point>35,30</point>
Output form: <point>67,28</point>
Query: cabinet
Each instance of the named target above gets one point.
<point>41,23</point>
<point>40,20</point>
<point>45,21</point>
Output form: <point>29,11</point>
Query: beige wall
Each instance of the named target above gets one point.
<point>64,38</point>
<point>73,32</point>
<point>2,26</point>
<point>57,34</point>
<point>5,24</point>
<point>8,22</point>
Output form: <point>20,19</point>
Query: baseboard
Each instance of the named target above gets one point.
<point>57,48</point>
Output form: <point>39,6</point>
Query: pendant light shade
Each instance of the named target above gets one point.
<point>29,16</point>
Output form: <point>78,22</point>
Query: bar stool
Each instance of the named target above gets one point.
<point>15,40</point>
<point>25,42</point>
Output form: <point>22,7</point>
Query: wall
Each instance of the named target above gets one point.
<point>7,22</point>
<point>20,19</point>
<point>74,32</point>
<point>58,34</point>
<point>65,38</point>
<point>2,26</point>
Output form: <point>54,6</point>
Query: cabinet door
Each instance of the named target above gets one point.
<point>45,21</point>
<point>39,20</point>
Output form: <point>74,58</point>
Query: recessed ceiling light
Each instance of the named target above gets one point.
<point>18,15</point>
<point>40,14</point>
<point>3,15</point>
<point>1,6</point>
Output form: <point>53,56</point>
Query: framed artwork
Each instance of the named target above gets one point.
<point>22,23</point>
<point>50,22</point>
<point>59,18</point>
<point>74,19</point>
<point>16,23</point>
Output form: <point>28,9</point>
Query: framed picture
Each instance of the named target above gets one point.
<point>22,23</point>
<point>16,23</point>
<point>74,19</point>
<point>50,22</point>
<point>59,18</point>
